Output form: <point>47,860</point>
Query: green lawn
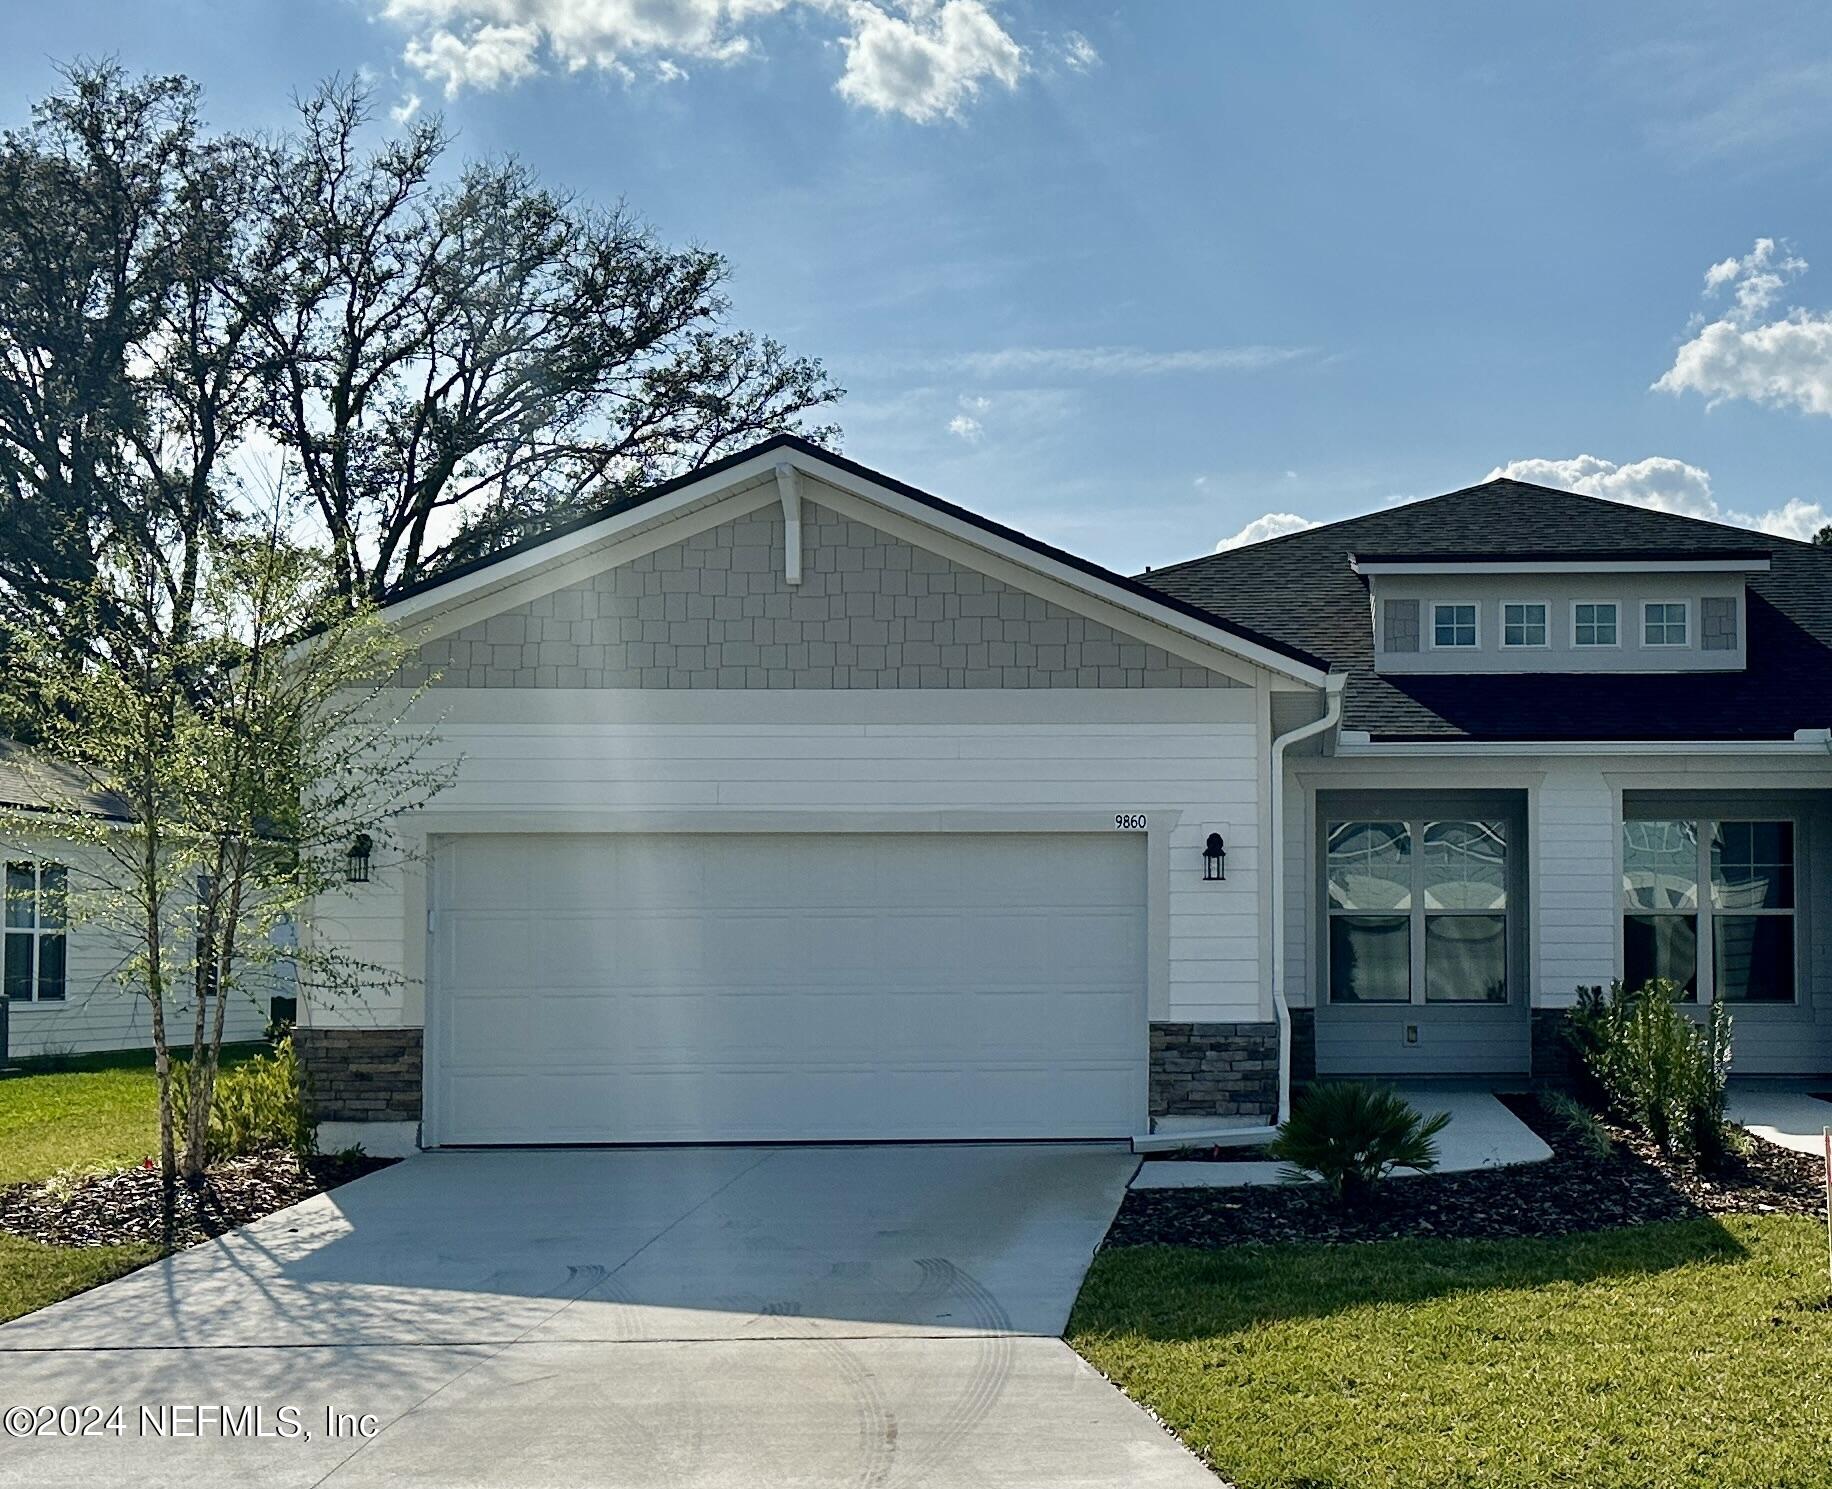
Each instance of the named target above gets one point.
<point>88,1111</point>
<point>1689,1353</point>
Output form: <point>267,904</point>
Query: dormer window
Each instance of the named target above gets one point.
<point>1663,623</point>
<point>1523,624</point>
<point>1453,625</point>
<point>1593,623</point>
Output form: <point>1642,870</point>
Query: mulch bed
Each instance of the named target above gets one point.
<point>124,1207</point>
<point>1257,1153</point>
<point>1574,1190</point>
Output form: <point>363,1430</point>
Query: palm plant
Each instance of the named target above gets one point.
<point>1352,1135</point>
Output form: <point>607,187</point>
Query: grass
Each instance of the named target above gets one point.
<point>83,1111</point>
<point>77,1112</point>
<point>1687,1353</point>
<point>32,1275</point>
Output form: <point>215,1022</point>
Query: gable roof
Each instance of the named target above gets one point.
<point>1302,589</point>
<point>731,469</point>
<point>31,782</point>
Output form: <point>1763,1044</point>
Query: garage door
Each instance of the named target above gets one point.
<point>631,988</point>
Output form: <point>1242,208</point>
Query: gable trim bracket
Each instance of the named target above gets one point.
<point>789,494</point>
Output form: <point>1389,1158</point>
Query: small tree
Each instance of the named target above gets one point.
<point>1824,536</point>
<point>242,761</point>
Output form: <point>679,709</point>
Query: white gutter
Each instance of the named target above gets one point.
<point>1355,745</point>
<point>1230,1136</point>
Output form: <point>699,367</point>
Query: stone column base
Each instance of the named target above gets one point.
<point>1214,1070</point>
<point>361,1075</point>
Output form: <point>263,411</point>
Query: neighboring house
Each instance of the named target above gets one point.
<point>798,803</point>
<point>62,984</point>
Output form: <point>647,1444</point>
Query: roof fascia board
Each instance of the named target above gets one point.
<point>1202,644</point>
<point>1563,566</point>
<point>1421,749</point>
<point>513,566</point>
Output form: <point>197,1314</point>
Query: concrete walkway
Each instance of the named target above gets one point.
<point>1482,1134</point>
<point>705,1317</point>
<point>1787,1116</point>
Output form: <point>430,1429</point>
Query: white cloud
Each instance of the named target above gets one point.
<point>405,109</point>
<point>1077,52</point>
<point>1747,351</point>
<point>1665,485</point>
<point>1272,525</point>
<point>1123,361</point>
<point>929,62</point>
<point>965,426</point>
<point>924,60</point>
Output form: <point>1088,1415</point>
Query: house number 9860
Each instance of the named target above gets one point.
<point>1130,821</point>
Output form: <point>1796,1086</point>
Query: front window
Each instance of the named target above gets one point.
<point>1593,623</point>
<point>1663,623</point>
<point>36,918</point>
<point>1523,625</point>
<point>1453,625</point>
<point>1418,911</point>
<point>1735,943</point>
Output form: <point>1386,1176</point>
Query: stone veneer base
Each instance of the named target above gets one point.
<point>361,1075</point>
<point>1214,1070</point>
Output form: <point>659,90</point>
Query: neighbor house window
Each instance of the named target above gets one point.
<point>36,918</point>
<point>1663,623</point>
<point>1453,625</point>
<point>1735,943</point>
<point>1523,624</point>
<point>1418,911</point>
<point>1593,623</point>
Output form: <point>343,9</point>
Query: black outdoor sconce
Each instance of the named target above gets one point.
<point>1214,858</point>
<point>356,863</point>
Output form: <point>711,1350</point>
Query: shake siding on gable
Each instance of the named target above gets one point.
<point>716,612</point>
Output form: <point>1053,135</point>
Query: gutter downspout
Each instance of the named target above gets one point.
<point>1229,1136</point>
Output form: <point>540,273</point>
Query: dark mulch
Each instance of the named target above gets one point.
<point>125,1206</point>
<point>1574,1190</point>
<point>1257,1153</point>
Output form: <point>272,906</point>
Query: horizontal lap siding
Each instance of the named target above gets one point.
<point>1143,750</point>
<point>1577,887</point>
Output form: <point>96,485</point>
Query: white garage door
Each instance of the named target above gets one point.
<point>631,988</point>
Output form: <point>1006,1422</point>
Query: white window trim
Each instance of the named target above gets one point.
<point>1641,631</point>
<point>1418,913</point>
<point>1432,636</point>
<point>36,931</point>
<point>1546,617</point>
<point>1577,645</point>
<point>1706,913</point>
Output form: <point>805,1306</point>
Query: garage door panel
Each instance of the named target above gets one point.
<point>779,986</point>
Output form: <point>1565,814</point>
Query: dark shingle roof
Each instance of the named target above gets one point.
<point>1300,589</point>
<point>30,782</point>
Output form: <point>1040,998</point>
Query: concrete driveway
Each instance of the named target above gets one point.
<point>733,1317</point>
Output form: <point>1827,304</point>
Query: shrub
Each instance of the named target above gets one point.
<point>257,1106</point>
<point>1580,1120</point>
<point>1352,1136</point>
<point>1655,1067</point>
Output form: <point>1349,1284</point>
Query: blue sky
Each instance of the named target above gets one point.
<point>1131,276</point>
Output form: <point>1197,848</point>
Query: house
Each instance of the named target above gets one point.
<point>62,989</point>
<point>796,803</point>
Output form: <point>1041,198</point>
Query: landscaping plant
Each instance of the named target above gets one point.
<point>1656,1067</point>
<point>1352,1135</point>
<point>257,1106</point>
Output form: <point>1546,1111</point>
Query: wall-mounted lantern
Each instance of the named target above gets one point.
<point>356,862</point>
<point>1214,858</point>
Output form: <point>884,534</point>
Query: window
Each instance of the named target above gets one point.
<point>1418,911</point>
<point>1593,623</point>
<point>36,913</point>
<point>1735,943</point>
<point>1453,625</point>
<point>1663,623</point>
<point>1523,624</point>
